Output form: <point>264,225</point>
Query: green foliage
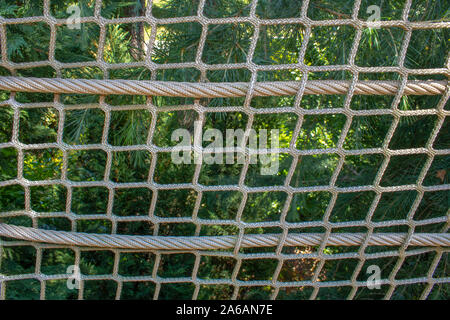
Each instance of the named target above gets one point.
<point>225,43</point>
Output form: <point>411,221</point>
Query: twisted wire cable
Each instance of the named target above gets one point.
<point>216,89</point>
<point>217,242</point>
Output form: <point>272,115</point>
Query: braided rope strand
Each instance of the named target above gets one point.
<point>215,90</point>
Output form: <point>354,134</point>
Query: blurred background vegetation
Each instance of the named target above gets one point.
<point>225,43</point>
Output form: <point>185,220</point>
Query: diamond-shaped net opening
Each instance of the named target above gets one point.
<point>361,179</point>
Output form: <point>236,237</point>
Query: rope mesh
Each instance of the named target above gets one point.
<point>296,270</point>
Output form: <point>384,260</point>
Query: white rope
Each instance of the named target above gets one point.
<point>218,242</point>
<point>438,243</point>
<point>216,90</point>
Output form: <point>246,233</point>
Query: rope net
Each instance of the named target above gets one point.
<point>89,106</point>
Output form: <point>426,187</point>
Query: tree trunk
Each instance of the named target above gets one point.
<point>136,30</point>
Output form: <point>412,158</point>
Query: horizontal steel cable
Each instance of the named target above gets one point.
<point>217,242</point>
<point>216,89</point>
